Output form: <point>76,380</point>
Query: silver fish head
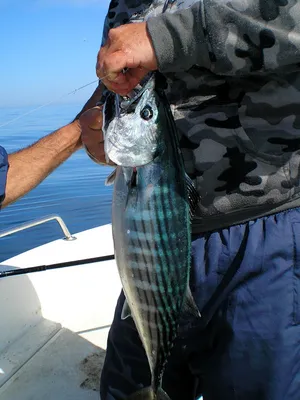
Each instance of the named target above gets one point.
<point>131,127</point>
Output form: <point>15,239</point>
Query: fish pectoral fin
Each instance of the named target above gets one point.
<point>129,176</point>
<point>111,178</point>
<point>126,312</point>
<point>193,195</point>
<point>189,305</point>
<point>148,394</point>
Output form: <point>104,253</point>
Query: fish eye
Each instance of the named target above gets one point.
<point>147,113</point>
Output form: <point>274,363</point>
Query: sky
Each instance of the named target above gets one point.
<point>48,48</point>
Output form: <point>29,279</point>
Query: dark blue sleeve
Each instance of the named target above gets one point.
<point>3,173</point>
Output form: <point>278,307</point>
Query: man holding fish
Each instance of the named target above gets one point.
<point>233,75</point>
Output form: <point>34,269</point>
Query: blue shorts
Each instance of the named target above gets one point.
<point>246,283</point>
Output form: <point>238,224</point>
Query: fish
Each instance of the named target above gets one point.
<point>153,202</point>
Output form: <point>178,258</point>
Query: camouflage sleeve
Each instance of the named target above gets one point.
<point>117,15</point>
<point>107,25</point>
<point>105,30</point>
<point>229,36</point>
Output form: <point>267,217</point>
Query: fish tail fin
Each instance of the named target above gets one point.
<point>148,394</point>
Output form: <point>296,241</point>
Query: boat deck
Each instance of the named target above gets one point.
<point>55,323</point>
<point>66,367</point>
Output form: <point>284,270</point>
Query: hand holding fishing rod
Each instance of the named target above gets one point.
<point>128,47</point>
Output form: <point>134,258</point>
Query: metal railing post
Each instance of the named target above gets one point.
<point>40,221</point>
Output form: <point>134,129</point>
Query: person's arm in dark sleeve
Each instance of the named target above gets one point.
<point>3,173</point>
<point>228,37</point>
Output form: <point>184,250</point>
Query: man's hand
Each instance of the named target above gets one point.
<point>30,166</point>
<point>91,134</point>
<point>128,48</point>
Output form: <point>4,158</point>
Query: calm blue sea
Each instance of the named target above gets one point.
<point>75,191</point>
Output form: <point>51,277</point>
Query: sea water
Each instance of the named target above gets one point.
<point>75,191</point>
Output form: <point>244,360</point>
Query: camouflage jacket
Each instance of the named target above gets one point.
<point>234,72</point>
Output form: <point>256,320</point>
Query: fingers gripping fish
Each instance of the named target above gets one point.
<point>152,204</point>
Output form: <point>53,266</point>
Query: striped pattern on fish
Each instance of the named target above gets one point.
<point>151,231</point>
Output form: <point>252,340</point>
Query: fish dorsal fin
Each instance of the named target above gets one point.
<point>126,312</point>
<point>193,195</point>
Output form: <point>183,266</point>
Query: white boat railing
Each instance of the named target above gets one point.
<point>40,221</point>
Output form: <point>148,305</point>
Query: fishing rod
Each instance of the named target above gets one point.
<point>40,268</point>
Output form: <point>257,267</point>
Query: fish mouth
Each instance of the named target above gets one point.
<point>127,104</point>
<point>123,154</point>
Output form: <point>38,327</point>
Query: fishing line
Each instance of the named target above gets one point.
<point>46,104</point>
<point>50,102</point>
